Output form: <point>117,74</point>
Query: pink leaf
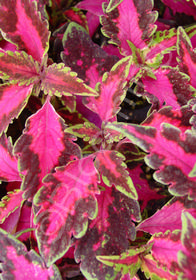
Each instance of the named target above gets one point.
<point>153,271</point>
<point>59,80</point>
<point>169,217</point>
<point>18,263</point>
<point>43,146</point>
<point>8,162</point>
<point>165,249</point>
<point>111,91</point>
<point>68,198</point>
<point>171,87</point>
<point>182,6</point>
<point>18,17</point>
<point>10,203</point>
<point>187,56</point>
<point>13,99</point>
<point>129,20</point>
<point>18,67</point>
<point>170,151</point>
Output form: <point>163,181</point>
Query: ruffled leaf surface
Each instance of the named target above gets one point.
<point>35,148</point>
<point>59,80</point>
<point>128,20</point>
<point>187,7</point>
<point>18,67</point>
<point>111,91</point>
<point>18,263</point>
<point>67,200</point>
<point>18,17</point>
<point>13,99</point>
<point>108,233</point>
<point>85,57</point>
<point>112,168</point>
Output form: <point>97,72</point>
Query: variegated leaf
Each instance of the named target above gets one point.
<point>129,20</point>
<point>13,99</point>
<point>18,263</point>
<point>19,16</point>
<point>67,200</point>
<point>18,67</point>
<point>59,80</point>
<point>43,146</point>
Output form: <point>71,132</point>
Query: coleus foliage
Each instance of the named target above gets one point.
<point>93,205</point>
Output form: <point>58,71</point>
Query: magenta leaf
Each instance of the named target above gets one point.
<point>182,6</point>
<point>112,168</point>
<point>8,162</point>
<point>169,217</point>
<point>88,60</point>
<point>68,197</point>
<point>108,234</point>
<point>127,262</point>
<point>10,203</point>
<point>187,56</point>
<point>35,148</point>
<point>170,151</point>
<point>129,20</point>
<point>165,249</point>
<point>111,91</point>
<point>186,256</point>
<point>13,99</point>
<point>18,67</point>
<point>16,17</point>
<point>59,80</point>
<point>171,87</point>
<point>152,271</point>
<point>18,263</point>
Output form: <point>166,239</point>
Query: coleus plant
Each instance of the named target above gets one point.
<point>83,194</point>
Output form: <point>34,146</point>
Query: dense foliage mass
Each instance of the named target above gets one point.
<point>98,139</point>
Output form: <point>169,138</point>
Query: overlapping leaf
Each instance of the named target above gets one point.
<point>18,263</point>
<point>111,91</point>
<point>182,6</point>
<point>85,57</point>
<point>35,148</point>
<point>59,80</point>
<point>129,20</point>
<point>108,234</point>
<point>186,256</point>
<point>112,168</point>
<point>13,99</point>
<point>169,217</point>
<point>21,24</point>
<point>187,56</point>
<point>172,152</point>
<point>18,67</point>
<point>67,200</point>
<point>171,87</point>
